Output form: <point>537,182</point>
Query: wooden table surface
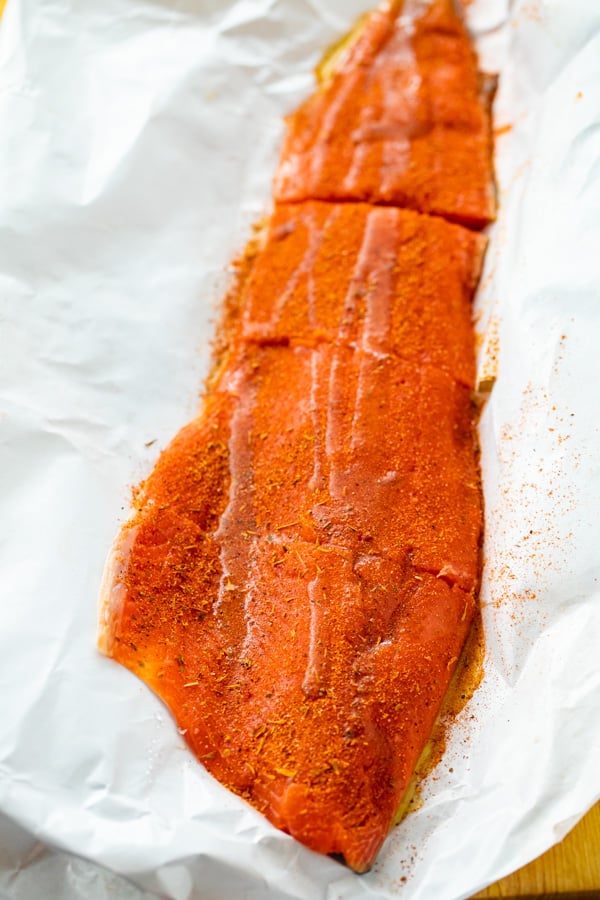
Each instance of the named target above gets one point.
<point>568,871</point>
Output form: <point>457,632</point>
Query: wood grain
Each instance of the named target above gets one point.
<point>567,871</point>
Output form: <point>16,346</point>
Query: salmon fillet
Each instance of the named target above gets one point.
<point>404,120</point>
<point>301,567</point>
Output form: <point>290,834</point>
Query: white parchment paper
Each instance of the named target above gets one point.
<point>138,139</point>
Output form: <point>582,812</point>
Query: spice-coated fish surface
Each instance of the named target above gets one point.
<point>403,120</point>
<point>301,568</point>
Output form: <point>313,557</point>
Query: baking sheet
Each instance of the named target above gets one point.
<point>138,142</point>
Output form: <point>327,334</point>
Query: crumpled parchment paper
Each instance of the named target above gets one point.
<point>137,146</point>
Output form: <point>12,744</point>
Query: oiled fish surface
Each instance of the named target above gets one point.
<point>403,121</point>
<point>301,567</point>
<point>301,572</point>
